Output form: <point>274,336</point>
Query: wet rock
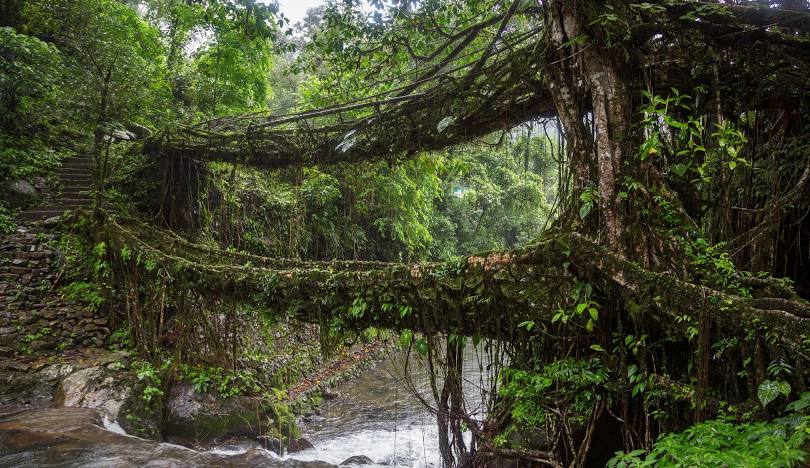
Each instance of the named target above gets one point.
<point>357,460</point>
<point>395,460</point>
<point>179,441</point>
<point>299,445</point>
<point>18,366</point>
<point>76,437</point>
<point>15,385</point>
<point>328,394</point>
<point>139,130</point>
<point>94,387</point>
<point>307,464</point>
<point>19,382</point>
<point>207,416</point>
<point>56,372</point>
<point>89,381</point>
<point>52,221</point>
<point>312,418</point>
<point>271,443</point>
<point>18,193</point>
<point>122,135</point>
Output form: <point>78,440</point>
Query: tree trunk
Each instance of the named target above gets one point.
<point>581,70</point>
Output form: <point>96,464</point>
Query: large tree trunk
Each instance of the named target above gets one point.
<point>584,71</point>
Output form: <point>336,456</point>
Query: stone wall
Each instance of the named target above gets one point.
<point>34,319</point>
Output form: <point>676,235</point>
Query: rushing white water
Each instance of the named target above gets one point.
<point>376,416</point>
<point>113,426</point>
<point>414,446</point>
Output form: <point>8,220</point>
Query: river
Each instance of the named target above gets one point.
<point>377,416</point>
<point>374,416</point>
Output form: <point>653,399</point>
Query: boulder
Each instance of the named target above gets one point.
<point>94,387</point>
<point>299,445</point>
<point>77,437</point>
<point>209,416</point>
<point>53,221</point>
<point>271,443</point>
<point>358,460</point>
<point>18,193</point>
<point>116,394</point>
<point>140,131</point>
<point>122,135</point>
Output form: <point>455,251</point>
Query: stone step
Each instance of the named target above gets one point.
<point>76,191</point>
<point>76,159</point>
<point>83,178</point>
<point>75,183</point>
<point>74,171</point>
<point>73,201</point>
<point>45,213</point>
<point>77,165</point>
<point>40,214</point>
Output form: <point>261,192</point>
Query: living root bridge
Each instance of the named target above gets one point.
<point>488,294</point>
<point>435,117</point>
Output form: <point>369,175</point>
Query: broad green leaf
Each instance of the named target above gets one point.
<point>584,210</point>
<point>405,337</point>
<point>784,387</point>
<point>679,169</point>
<point>767,392</point>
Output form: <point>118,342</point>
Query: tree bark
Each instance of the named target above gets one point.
<point>581,68</point>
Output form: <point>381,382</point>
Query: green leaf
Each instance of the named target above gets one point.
<point>405,337</point>
<point>421,347</point>
<point>767,392</point>
<point>679,169</point>
<point>784,387</point>
<point>800,404</point>
<point>598,348</point>
<point>584,210</point>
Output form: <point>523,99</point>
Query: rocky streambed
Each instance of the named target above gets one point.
<point>64,436</point>
<point>86,409</point>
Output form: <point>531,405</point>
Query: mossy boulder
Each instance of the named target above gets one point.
<point>208,417</point>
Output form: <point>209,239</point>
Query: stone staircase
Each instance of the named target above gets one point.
<point>76,182</point>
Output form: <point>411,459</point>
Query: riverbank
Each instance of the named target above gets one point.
<point>79,437</point>
<point>101,384</point>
